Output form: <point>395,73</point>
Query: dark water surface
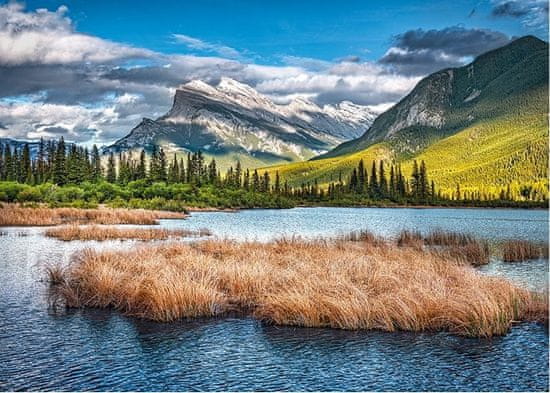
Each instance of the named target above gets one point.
<point>45,349</point>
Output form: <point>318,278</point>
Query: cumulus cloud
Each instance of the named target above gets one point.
<point>46,37</point>
<point>198,44</point>
<point>34,120</point>
<point>55,80</point>
<point>418,52</point>
<point>532,13</point>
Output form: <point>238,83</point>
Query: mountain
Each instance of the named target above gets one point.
<point>484,125</point>
<point>15,144</point>
<point>452,99</point>
<point>233,121</point>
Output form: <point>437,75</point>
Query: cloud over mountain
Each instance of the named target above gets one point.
<point>103,86</point>
<point>532,13</point>
<point>418,52</point>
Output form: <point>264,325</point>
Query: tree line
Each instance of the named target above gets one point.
<point>63,164</point>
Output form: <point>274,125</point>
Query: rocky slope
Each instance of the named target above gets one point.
<point>233,121</point>
<point>483,126</point>
<point>453,99</point>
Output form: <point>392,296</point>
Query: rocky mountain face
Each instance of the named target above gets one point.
<point>15,144</point>
<point>233,121</point>
<point>450,100</point>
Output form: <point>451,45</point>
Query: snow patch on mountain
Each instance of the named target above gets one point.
<point>232,116</point>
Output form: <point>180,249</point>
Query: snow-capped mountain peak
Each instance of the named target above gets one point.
<point>231,116</point>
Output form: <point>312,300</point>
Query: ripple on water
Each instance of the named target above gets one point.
<point>102,350</point>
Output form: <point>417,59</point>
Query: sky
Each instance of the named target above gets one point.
<point>90,70</point>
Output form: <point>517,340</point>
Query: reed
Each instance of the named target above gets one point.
<point>459,246</point>
<point>412,239</point>
<point>98,232</point>
<point>440,237</point>
<point>13,215</point>
<point>476,252</point>
<point>363,236</point>
<point>338,284</point>
<point>522,250</point>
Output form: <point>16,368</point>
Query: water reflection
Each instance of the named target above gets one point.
<point>61,349</point>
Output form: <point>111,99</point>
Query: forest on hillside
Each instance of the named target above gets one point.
<point>67,174</point>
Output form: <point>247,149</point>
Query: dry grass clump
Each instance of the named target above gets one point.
<point>346,285</point>
<point>440,237</point>
<point>476,253</point>
<point>522,250</point>
<point>97,232</point>
<point>13,215</point>
<point>412,239</point>
<point>363,236</point>
<point>461,246</point>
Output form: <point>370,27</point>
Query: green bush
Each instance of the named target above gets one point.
<point>31,194</point>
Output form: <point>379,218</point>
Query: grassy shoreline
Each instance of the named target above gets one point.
<point>101,233</point>
<point>14,215</point>
<point>354,282</point>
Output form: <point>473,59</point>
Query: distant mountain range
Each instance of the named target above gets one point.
<point>16,144</point>
<point>483,126</point>
<point>232,121</point>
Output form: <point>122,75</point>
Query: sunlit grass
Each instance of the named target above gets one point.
<point>98,232</point>
<point>14,215</point>
<point>346,284</point>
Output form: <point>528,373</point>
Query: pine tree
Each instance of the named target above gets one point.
<point>162,176</point>
<point>360,177</point>
<point>26,172</point>
<point>423,180</point>
<point>111,169</point>
<point>393,183</point>
<point>353,181</point>
<point>212,172</point>
<point>9,164</point>
<point>173,170</point>
<point>40,162</point>
<point>238,175</point>
<point>415,181</point>
<point>2,163</point>
<point>373,182</point>
<point>182,171</point>
<point>401,184</point>
<point>59,170</point>
<point>154,164</point>
<point>277,187</point>
<point>382,182</point>
<point>246,180</point>
<point>265,182</point>
<point>189,172</point>
<point>255,181</point>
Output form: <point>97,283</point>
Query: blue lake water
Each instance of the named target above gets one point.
<point>45,349</point>
<point>493,224</point>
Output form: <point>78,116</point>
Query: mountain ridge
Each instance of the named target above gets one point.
<point>233,119</point>
<point>441,103</point>
<point>494,133</point>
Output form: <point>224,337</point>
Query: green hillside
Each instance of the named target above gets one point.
<point>495,132</point>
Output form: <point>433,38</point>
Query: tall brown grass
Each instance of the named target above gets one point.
<point>97,232</point>
<point>339,284</point>
<point>13,215</point>
<point>522,250</point>
<point>461,246</point>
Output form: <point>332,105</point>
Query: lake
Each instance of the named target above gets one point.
<point>48,349</point>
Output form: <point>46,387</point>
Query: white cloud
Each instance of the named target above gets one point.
<point>46,37</point>
<point>195,43</point>
<point>82,85</point>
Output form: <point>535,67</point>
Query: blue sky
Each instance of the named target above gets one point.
<point>266,31</point>
<point>90,70</point>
